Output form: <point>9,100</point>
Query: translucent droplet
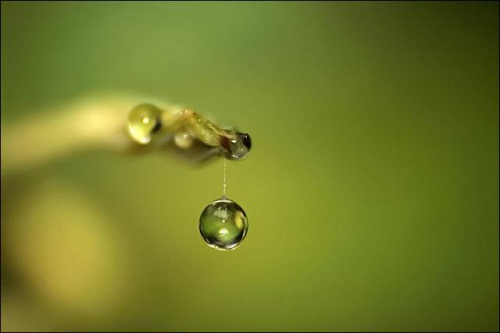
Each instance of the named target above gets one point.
<point>223,224</point>
<point>143,121</point>
<point>237,146</point>
<point>183,140</point>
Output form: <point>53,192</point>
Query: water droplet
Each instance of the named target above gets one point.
<point>236,145</point>
<point>143,121</point>
<point>183,140</point>
<point>223,224</point>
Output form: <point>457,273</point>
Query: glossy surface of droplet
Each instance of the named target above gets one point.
<point>143,121</point>
<point>183,140</point>
<point>223,224</point>
<point>237,146</point>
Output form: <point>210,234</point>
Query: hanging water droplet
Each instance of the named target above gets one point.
<point>236,146</point>
<point>143,121</point>
<point>223,224</point>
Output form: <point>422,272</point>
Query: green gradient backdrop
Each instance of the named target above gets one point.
<point>371,191</point>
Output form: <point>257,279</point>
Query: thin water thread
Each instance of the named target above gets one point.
<point>224,180</point>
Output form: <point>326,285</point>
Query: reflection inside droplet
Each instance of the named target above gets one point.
<point>144,121</point>
<point>223,224</point>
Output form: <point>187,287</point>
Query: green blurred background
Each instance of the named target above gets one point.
<point>371,189</point>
